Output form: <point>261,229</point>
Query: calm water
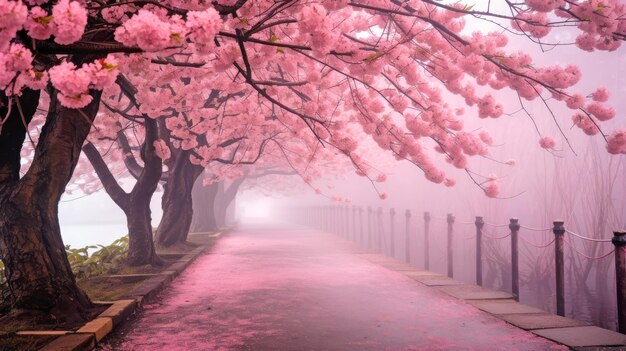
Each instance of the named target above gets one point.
<point>96,219</point>
<point>81,235</point>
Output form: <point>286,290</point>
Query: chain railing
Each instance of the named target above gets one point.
<point>336,219</point>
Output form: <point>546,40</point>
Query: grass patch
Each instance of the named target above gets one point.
<point>107,288</point>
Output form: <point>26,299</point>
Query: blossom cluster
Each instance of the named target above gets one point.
<point>151,32</point>
<point>73,83</point>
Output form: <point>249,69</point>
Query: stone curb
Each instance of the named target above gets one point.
<point>574,334</point>
<point>86,338</point>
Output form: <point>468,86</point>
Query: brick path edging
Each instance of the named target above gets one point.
<point>87,337</point>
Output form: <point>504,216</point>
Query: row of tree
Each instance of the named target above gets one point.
<point>167,90</point>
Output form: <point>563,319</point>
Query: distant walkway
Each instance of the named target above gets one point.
<point>271,287</point>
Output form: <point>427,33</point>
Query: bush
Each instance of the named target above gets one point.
<point>84,265</point>
<point>102,261</point>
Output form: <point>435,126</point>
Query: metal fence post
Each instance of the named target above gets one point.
<point>346,222</point>
<point>354,230</point>
<point>426,244</point>
<point>450,220</point>
<point>407,237</point>
<point>379,215</point>
<point>338,221</point>
<point>361,234</point>
<point>619,240</point>
<point>369,227</point>
<point>514,227</point>
<point>559,231</point>
<point>479,249</point>
<point>392,241</point>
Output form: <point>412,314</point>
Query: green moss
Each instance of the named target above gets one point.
<point>107,289</point>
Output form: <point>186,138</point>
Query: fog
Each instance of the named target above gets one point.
<point>582,185</point>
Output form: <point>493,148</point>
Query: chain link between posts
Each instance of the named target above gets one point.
<point>573,247</point>
<point>588,238</point>
<point>494,237</point>
<point>539,246</point>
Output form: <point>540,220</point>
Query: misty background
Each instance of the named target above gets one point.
<point>584,186</point>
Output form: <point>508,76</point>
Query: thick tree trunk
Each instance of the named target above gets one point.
<point>219,205</point>
<point>140,244</point>
<point>177,202</point>
<point>224,199</point>
<point>231,211</point>
<point>204,207</point>
<point>136,204</point>
<point>40,279</point>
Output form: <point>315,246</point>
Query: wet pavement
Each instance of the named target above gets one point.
<point>273,287</point>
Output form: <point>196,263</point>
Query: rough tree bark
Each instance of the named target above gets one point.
<point>203,207</point>
<point>224,198</point>
<point>41,283</point>
<point>136,204</point>
<point>219,209</point>
<point>177,201</point>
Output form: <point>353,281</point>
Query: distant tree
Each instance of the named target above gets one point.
<point>333,72</point>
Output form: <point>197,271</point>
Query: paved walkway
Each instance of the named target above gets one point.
<point>270,287</point>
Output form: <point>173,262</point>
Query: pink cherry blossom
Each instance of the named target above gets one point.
<point>147,31</point>
<point>103,72</point>
<point>485,137</point>
<point>600,95</point>
<point>601,111</point>
<point>544,5</point>
<point>575,102</point>
<point>40,24</point>
<point>492,188</point>
<point>202,27</point>
<point>617,142</point>
<point>586,123</point>
<point>72,83</point>
<point>449,182</point>
<point>547,142</point>
<point>13,14</point>
<point>34,79</point>
<point>70,19</point>
<point>162,150</point>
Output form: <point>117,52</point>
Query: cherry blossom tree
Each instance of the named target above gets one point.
<point>136,203</point>
<point>331,71</point>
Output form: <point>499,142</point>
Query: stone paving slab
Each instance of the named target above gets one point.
<point>473,292</point>
<point>540,321</point>
<point>504,307</point>
<point>399,267</point>
<point>436,280</point>
<point>378,258</point>
<point>100,327</point>
<point>420,273</point>
<point>119,311</point>
<point>600,348</point>
<point>583,336</point>
<point>149,288</point>
<point>178,266</point>
<point>71,342</point>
